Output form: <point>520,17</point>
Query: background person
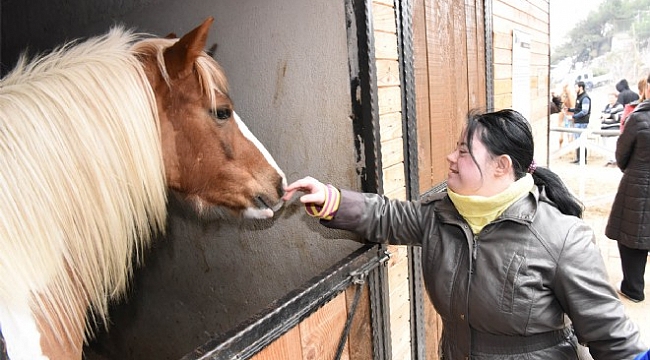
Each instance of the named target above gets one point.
<point>581,113</point>
<point>628,108</point>
<point>508,263</point>
<point>628,219</point>
<point>625,95</point>
<point>610,119</point>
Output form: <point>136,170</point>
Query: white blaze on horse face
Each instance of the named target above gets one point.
<point>21,335</point>
<point>253,212</point>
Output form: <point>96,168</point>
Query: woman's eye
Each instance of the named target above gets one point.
<point>221,113</point>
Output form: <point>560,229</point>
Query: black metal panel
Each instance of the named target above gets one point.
<point>365,114</point>
<point>363,81</point>
<point>404,16</point>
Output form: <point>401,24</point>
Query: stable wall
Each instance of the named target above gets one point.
<point>532,18</point>
<point>287,63</point>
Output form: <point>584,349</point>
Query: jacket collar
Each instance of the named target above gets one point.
<point>523,210</point>
<point>643,106</point>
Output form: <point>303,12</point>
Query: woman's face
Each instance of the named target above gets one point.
<point>464,177</point>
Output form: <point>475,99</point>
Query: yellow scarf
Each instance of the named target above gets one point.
<point>479,211</point>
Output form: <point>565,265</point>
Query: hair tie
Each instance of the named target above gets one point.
<point>532,167</point>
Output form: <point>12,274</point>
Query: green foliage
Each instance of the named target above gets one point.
<point>592,37</point>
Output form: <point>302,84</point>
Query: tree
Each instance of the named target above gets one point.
<point>592,37</point>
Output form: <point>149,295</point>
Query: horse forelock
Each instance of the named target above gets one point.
<point>82,188</point>
<point>211,76</point>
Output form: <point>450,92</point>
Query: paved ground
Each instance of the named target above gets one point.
<point>597,185</point>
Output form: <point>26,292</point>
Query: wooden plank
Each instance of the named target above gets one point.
<point>394,177</point>
<point>502,25</point>
<point>502,40</point>
<point>400,313</point>
<point>522,11</point>
<point>383,18</point>
<point>398,193</point>
<point>389,99</point>
<point>502,56</point>
<point>421,80</point>
<point>392,152</point>
<point>360,336</point>
<point>390,126</point>
<point>503,86</point>
<point>320,332</point>
<point>503,71</point>
<point>384,2</point>
<point>433,326</point>
<point>459,81</point>
<point>401,329</point>
<point>387,73</point>
<point>385,45</point>
<point>476,82</point>
<point>286,347</point>
<point>443,84</point>
<point>503,101</point>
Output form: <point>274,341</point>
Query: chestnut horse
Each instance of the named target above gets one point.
<point>92,137</point>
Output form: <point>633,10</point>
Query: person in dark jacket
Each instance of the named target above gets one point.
<point>581,113</point>
<point>610,119</point>
<point>625,95</point>
<point>510,266</point>
<point>628,220</point>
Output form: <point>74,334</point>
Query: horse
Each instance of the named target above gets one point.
<point>94,136</point>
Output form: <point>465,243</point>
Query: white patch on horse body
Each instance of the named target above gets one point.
<point>21,335</point>
<point>253,212</point>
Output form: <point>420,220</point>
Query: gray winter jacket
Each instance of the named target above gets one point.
<point>628,220</point>
<point>522,288</point>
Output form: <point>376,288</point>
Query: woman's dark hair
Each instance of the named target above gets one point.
<point>507,132</point>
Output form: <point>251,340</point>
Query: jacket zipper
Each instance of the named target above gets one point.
<point>474,253</point>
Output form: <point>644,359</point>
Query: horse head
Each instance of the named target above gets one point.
<point>210,156</point>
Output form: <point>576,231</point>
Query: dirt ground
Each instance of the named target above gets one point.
<point>596,185</point>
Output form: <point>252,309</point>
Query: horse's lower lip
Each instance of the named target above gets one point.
<point>262,202</point>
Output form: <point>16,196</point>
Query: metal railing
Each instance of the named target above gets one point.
<point>584,141</point>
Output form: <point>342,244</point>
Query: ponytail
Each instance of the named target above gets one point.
<point>557,192</point>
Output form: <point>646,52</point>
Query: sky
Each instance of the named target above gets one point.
<point>565,14</point>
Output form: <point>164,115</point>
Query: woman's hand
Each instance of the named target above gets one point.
<point>314,189</point>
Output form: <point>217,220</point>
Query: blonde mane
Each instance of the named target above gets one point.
<point>82,181</point>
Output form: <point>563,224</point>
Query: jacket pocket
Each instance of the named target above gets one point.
<point>508,292</point>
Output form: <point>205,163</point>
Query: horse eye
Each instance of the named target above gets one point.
<point>221,113</point>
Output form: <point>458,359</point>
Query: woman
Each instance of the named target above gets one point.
<point>628,220</point>
<point>508,263</point>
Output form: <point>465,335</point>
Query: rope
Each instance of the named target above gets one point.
<point>348,322</point>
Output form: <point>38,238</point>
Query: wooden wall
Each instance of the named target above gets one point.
<point>531,17</point>
<point>450,80</point>
<point>317,337</point>
<point>450,77</point>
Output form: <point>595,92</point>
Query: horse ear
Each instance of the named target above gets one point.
<point>179,58</point>
<point>171,35</point>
